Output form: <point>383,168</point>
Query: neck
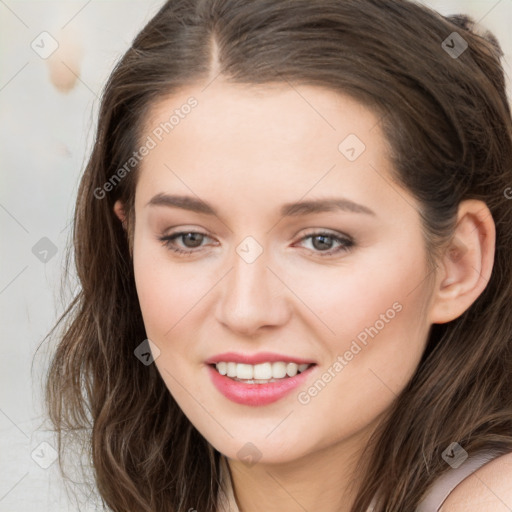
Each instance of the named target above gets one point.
<point>327,479</point>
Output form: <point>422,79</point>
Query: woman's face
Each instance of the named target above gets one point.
<point>345,287</point>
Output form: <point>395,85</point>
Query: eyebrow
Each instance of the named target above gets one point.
<point>287,210</point>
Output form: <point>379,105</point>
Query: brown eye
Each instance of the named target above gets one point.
<point>190,240</point>
<point>322,243</point>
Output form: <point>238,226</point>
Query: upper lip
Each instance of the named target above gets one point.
<point>260,357</point>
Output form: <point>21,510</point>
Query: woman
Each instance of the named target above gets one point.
<point>293,241</point>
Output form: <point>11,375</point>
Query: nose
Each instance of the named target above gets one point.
<point>252,296</point>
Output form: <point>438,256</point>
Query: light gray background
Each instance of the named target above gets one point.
<point>45,136</point>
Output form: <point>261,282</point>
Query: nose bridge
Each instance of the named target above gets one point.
<point>252,296</point>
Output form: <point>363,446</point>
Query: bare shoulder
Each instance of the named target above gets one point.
<point>489,489</point>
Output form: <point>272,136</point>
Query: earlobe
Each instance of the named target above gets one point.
<point>120,212</point>
<point>466,265</point>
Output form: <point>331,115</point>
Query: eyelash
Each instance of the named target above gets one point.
<point>346,242</point>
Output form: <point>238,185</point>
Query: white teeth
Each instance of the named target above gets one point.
<point>291,369</point>
<point>244,371</point>
<point>263,372</point>
<point>231,369</point>
<point>278,370</point>
<point>222,368</point>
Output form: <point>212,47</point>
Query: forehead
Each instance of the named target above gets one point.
<point>275,113</point>
<point>265,140</point>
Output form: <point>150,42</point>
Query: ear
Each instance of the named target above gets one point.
<point>119,211</point>
<point>466,264</point>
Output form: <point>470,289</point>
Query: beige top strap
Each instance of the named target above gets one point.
<point>445,484</point>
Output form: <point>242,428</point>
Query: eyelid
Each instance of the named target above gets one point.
<point>346,241</point>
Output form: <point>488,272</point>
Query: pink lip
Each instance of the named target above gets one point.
<point>256,394</point>
<point>260,357</point>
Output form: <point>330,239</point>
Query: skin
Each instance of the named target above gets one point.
<point>248,150</point>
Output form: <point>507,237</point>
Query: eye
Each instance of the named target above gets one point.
<point>194,238</point>
<point>323,240</point>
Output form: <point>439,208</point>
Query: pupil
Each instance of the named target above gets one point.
<point>190,237</point>
<point>323,244</point>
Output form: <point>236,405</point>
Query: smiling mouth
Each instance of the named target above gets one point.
<point>262,373</point>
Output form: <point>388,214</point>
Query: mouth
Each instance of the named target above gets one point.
<point>260,384</point>
<point>262,373</point>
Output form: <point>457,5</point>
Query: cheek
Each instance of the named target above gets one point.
<point>153,290</point>
<point>380,320</point>
<point>376,318</point>
<point>166,291</point>
<point>380,331</point>
<point>356,295</point>
<point>168,297</point>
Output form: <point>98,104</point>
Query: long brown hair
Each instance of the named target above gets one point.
<point>448,124</point>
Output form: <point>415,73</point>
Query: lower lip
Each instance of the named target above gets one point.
<point>256,394</point>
